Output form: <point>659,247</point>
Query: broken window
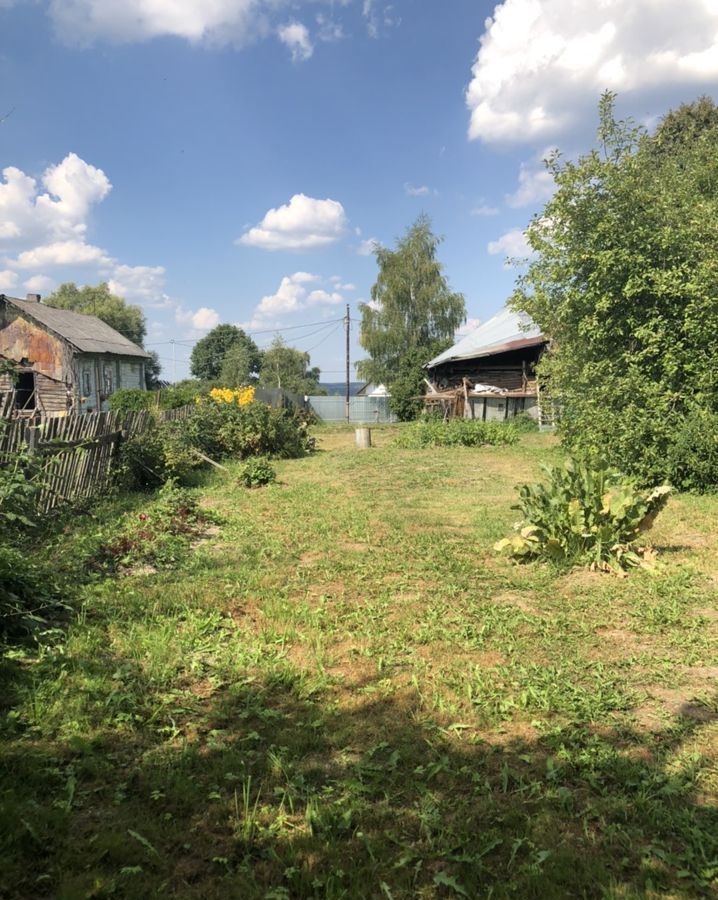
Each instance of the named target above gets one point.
<point>107,380</point>
<point>25,390</point>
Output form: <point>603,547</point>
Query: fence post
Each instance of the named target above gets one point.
<point>32,439</point>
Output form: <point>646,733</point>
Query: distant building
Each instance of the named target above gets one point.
<point>491,372</point>
<point>62,360</point>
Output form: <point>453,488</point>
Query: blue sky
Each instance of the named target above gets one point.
<point>231,160</point>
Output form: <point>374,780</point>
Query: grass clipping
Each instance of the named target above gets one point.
<point>585,514</point>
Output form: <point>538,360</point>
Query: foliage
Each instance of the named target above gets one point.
<point>160,535</point>
<point>97,300</point>
<point>407,384</point>
<point>585,514</point>
<point>182,393</point>
<point>693,456</point>
<point>241,397</point>
<point>154,457</point>
<point>153,368</point>
<point>130,400</point>
<point>412,306</point>
<point>288,368</point>
<point>458,432</point>
<point>28,594</point>
<point>221,429</point>
<point>208,354</point>
<point>257,471</point>
<point>625,282</point>
<point>343,696</point>
<point>19,484</point>
<point>236,368</point>
<point>524,423</point>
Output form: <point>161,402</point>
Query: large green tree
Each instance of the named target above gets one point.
<point>412,308</point>
<point>97,300</point>
<point>209,353</point>
<point>625,282</point>
<point>289,368</point>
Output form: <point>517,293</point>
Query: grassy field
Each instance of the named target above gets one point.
<point>344,693</point>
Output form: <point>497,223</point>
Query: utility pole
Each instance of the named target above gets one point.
<point>174,362</point>
<point>347,322</point>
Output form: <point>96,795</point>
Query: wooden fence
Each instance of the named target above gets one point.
<point>76,452</point>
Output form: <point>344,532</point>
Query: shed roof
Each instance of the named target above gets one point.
<point>88,334</point>
<point>507,330</point>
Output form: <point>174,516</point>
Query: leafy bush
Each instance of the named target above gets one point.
<point>431,432</point>
<point>585,514</point>
<point>28,594</point>
<point>257,471</point>
<point>221,429</point>
<point>19,483</point>
<point>182,393</point>
<point>524,423</point>
<point>693,457</point>
<point>130,400</point>
<point>159,454</point>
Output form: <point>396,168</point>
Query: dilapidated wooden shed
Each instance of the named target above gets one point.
<point>491,372</point>
<point>56,360</point>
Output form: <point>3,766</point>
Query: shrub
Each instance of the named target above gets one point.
<point>693,457</point>
<point>130,400</point>
<point>182,393</point>
<point>159,454</point>
<point>257,471</point>
<point>28,594</point>
<point>230,429</point>
<point>524,423</point>
<point>587,514</point>
<point>431,432</point>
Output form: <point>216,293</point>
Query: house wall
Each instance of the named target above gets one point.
<point>499,408</point>
<point>97,375</point>
<point>511,371</point>
<point>21,339</point>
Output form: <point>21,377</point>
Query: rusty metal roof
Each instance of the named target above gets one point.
<point>507,330</point>
<point>88,334</point>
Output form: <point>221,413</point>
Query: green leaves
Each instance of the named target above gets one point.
<point>583,513</point>
<point>626,284</point>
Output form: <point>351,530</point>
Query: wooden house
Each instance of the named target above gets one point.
<point>56,360</point>
<point>491,372</point>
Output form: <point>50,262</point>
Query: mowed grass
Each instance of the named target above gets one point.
<point>345,693</point>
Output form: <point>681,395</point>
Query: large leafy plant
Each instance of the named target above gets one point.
<point>585,514</point>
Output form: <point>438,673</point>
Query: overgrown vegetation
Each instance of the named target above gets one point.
<point>457,432</point>
<point>344,695</point>
<point>624,282</point>
<point>585,513</point>
<point>257,472</point>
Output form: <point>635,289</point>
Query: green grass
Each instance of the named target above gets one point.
<point>345,693</point>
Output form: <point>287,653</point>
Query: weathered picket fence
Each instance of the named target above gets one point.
<point>76,452</point>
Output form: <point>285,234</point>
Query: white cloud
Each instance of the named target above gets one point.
<point>39,284</point>
<point>304,223</point>
<point>8,280</point>
<point>295,36</point>
<point>30,216</point>
<point>485,210</point>
<point>215,21</point>
<point>536,184</point>
<point>413,191</point>
<point>543,63</point>
<point>329,29</point>
<point>45,222</point>
<point>379,16</point>
<point>60,253</point>
<point>294,295</point>
<point>366,247</point>
<point>203,319</point>
<point>512,244</point>
<point>140,284</point>
<point>324,298</point>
